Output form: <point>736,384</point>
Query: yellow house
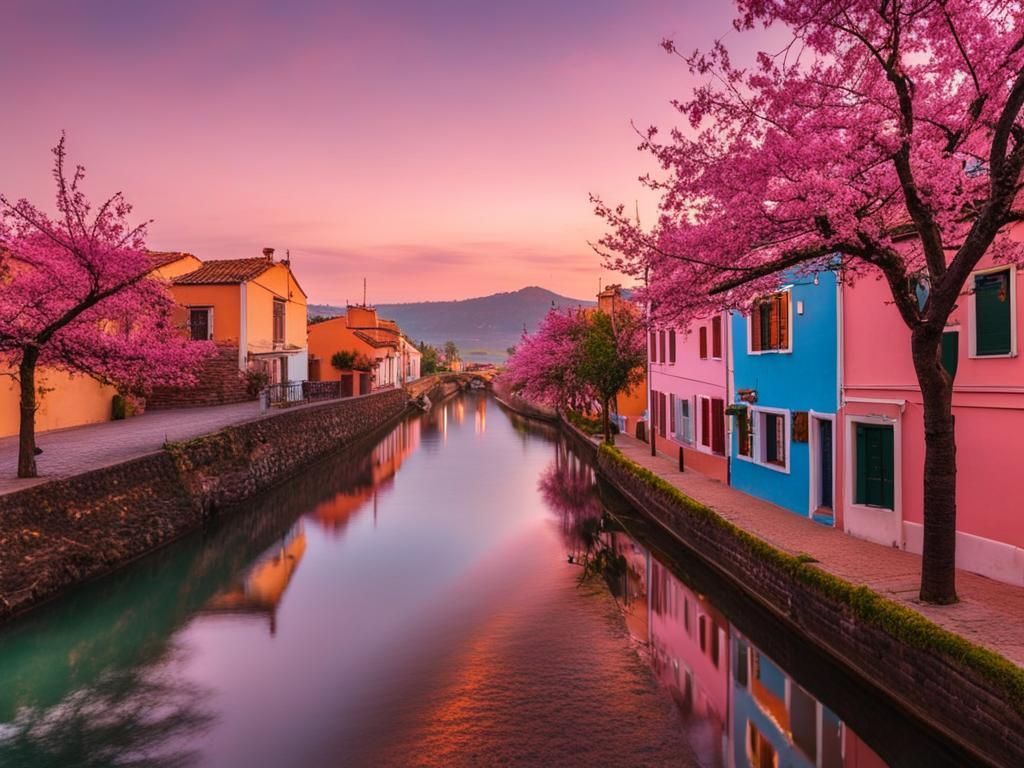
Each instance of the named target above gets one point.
<point>71,400</point>
<point>254,305</point>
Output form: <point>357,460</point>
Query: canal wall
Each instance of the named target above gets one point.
<point>935,675</point>
<point>503,394</point>
<point>60,533</point>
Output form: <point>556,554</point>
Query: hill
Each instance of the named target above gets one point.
<point>483,327</point>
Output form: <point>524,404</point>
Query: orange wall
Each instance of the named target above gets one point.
<point>184,265</point>
<point>225,302</point>
<point>275,283</point>
<point>332,336</point>
<point>73,400</point>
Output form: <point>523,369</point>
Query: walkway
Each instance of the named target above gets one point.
<point>990,613</point>
<point>80,449</point>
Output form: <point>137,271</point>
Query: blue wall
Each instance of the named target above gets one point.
<point>803,379</point>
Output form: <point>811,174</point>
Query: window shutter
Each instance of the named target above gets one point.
<point>783,324</point>
<point>755,328</point>
<point>662,416</point>
<point>703,342</point>
<point>992,313</point>
<point>661,350</point>
<point>654,347</point>
<point>716,337</point>
<point>950,352</point>
<point>888,464</point>
<point>718,426</point>
<point>705,423</point>
<point>672,346</point>
<point>862,465</point>
<point>800,427</point>
<point>672,414</point>
<point>652,408</point>
<point>743,428</point>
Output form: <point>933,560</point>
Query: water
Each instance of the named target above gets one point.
<point>414,603</point>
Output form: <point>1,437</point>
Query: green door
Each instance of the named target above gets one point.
<point>875,466</point>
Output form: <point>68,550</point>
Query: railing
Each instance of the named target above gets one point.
<point>298,392</point>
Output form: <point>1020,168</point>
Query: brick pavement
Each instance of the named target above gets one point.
<point>79,449</point>
<point>990,613</point>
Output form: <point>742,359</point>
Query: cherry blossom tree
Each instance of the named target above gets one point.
<point>77,295</point>
<point>885,140</point>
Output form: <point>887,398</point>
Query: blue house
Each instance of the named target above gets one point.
<point>785,380</point>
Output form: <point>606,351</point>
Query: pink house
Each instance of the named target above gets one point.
<point>882,448</point>
<point>688,394</point>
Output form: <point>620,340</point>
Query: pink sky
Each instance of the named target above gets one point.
<point>441,149</point>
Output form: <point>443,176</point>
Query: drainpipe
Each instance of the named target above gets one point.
<point>243,335</point>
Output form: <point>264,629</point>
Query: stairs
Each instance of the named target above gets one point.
<point>220,382</point>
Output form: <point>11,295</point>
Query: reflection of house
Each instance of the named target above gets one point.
<point>392,358</point>
<point>335,513</point>
<point>261,590</point>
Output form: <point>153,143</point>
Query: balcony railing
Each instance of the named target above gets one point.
<point>299,392</point>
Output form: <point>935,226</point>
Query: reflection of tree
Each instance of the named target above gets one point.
<point>567,486</point>
<point>135,717</point>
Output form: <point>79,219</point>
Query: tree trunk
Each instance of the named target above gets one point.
<point>607,423</point>
<point>27,433</point>
<point>938,560</point>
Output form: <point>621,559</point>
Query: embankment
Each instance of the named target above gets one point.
<point>63,532</point>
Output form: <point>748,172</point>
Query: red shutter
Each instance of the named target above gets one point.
<point>662,421</point>
<point>716,337</point>
<point>718,426</point>
<point>661,351</point>
<point>672,414</point>
<point>705,423</point>
<point>703,342</point>
<point>755,327</point>
<point>652,407</point>
<point>672,346</point>
<point>654,347</point>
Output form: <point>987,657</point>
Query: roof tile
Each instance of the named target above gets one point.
<point>225,271</point>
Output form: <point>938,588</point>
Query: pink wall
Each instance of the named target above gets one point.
<point>988,403</point>
<point>689,377</point>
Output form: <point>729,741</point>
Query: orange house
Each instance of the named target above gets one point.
<point>359,331</point>
<point>74,399</point>
<point>631,404</point>
<point>255,306</point>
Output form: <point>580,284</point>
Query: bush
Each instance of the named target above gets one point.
<point>255,381</point>
<point>589,424</point>
<point>343,360</point>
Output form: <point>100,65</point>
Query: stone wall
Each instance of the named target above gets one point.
<point>63,532</point>
<point>936,688</point>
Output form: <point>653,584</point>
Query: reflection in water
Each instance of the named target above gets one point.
<point>410,601</point>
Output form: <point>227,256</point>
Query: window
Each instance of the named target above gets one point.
<point>278,321</point>
<point>744,434</point>
<point>993,311</point>
<point>661,345</point>
<point>672,346</point>
<point>654,347</point>
<point>718,426</point>
<point>768,328</point>
<point>684,422</point>
<point>950,352</point>
<point>874,470</point>
<point>200,323</point>
<point>703,342</point>
<point>774,431</point>
<point>716,337</point>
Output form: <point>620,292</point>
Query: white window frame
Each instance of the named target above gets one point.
<point>788,290</point>
<point>189,308</point>
<point>972,336</point>
<point>756,412</point>
<point>851,463</point>
<point>685,429</point>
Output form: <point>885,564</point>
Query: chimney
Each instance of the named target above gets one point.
<point>268,253</point>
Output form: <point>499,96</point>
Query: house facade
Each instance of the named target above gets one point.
<point>883,448</point>
<point>255,306</point>
<point>362,333</point>
<point>785,381</point>
<point>630,405</point>
<point>689,393</point>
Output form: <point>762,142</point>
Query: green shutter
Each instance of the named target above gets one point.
<point>950,352</point>
<point>992,313</point>
<point>875,466</point>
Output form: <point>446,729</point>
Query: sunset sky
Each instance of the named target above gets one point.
<point>442,149</point>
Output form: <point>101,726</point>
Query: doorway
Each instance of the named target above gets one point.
<point>822,469</point>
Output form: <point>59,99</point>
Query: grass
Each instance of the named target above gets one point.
<point>866,605</point>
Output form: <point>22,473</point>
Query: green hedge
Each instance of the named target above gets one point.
<point>867,606</point>
<point>588,424</point>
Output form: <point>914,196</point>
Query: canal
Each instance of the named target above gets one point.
<point>461,592</point>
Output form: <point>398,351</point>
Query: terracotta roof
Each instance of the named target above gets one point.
<point>226,271</point>
<point>163,258</point>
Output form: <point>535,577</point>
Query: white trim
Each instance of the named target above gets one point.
<point>788,290</point>
<point>995,559</point>
<point>878,401</point>
<point>243,328</point>
<point>972,335</point>
<point>815,466</point>
<point>758,447</point>
<point>877,524</point>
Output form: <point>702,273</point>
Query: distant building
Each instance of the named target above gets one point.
<point>630,405</point>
